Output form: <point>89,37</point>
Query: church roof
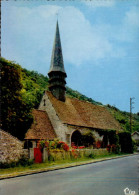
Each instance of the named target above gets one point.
<point>41,127</point>
<point>57,63</point>
<point>81,113</point>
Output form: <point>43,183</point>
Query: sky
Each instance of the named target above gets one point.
<point>100,44</point>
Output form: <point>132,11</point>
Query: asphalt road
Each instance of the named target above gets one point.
<point>102,178</point>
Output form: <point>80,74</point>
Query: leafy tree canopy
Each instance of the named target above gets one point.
<point>15,112</point>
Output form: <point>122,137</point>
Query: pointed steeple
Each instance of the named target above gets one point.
<point>57,63</point>
<point>57,72</point>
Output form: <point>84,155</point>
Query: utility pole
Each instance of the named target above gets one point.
<point>131,107</point>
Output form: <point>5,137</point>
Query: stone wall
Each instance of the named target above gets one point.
<point>58,155</point>
<point>63,131</point>
<point>11,149</point>
<point>60,129</point>
<point>83,130</point>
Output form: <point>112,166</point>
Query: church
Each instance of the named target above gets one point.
<point>62,117</point>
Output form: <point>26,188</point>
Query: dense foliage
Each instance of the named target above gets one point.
<point>15,112</point>
<point>124,118</point>
<point>75,94</point>
<point>34,85</point>
<point>88,139</point>
<point>126,142</point>
<point>22,90</point>
<point>55,144</point>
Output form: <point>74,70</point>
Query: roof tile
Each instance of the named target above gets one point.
<point>82,113</point>
<point>41,127</point>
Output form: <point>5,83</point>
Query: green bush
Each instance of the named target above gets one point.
<point>117,150</point>
<point>113,137</point>
<point>21,162</point>
<point>126,142</point>
<point>13,164</point>
<point>92,155</point>
<point>51,158</point>
<point>4,165</point>
<point>134,145</point>
<point>88,139</point>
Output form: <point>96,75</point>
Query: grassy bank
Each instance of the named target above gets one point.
<point>54,164</point>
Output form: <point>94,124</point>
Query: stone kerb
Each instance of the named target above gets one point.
<point>11,149</point>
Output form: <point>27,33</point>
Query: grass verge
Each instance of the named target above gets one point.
<point>54,164</point>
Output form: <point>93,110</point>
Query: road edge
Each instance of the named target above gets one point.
<point>63,166</point>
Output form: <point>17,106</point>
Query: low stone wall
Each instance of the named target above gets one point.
<point>72,154</point>
<point>96,152</point>
<point>26,153</point>
<point>11,149</point>
<point>31,153</point>
<point>58,155</point>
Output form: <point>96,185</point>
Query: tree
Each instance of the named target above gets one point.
<point>15,113</point>
<point>126,143</point>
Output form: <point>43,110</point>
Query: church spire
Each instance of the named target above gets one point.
<point>57,63</point>
<point>57,72</point>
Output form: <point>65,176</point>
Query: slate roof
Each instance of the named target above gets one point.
<point>41,127</point>
<point>57,63</point>
<point>82,113</point>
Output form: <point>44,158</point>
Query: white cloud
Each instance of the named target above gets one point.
<point>31,34</point>
<point>132,17</point>
<point>129,28</point>
<point>99,3</point>
<point>28,35</point>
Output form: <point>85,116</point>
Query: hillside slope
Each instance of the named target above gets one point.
<point>29,90</point>
<point>124,118</point>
